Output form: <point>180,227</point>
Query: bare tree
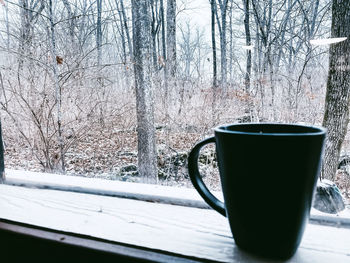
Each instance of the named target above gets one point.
<point>213,42</point>
<point>248,44</point>
<point>99,32</point>
<point>126,27</point>
<point>71,20</point>
<point>121,30</point>
<point>30,10</point>
<point>336,116</point>
<point>222,26</point>
<point>162,19</point>
<point>171,37</point>
<point>147,157</point>
<point>155,29</point>
<point>164,59</point>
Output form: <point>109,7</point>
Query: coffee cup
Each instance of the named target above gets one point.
<point>268,174</point>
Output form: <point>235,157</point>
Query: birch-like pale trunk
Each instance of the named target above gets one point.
<point>147,154</point>
<point>336,116</point>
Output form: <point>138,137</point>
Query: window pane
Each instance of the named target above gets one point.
<point>122,90</point>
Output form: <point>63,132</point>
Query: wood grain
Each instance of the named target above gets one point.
<point>194,232</point>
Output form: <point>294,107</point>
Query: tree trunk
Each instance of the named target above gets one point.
<point>26,29</point>
<point>248,43</point>
<point>231,50</point>
<point>28,15</point>
<point>122,35</point>
<point>336,116</point>
<point>71,23</point>
<point>83,26</point>
<point>163,29</point>
<point>147,156</point>
<point>213,46</point>
<point>223,42</point>
<point>171,37</point>
<point>165,68</point>
<point>154,32</point>
<point>99,32</point>
<point>213,43</point>
<point>125,38</point>
<point>126,27</point>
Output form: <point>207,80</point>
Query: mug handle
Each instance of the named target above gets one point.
<point>197,181</point>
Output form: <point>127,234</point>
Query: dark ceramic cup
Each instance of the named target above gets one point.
<point>268,175</point>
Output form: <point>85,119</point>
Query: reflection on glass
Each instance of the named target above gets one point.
<point>327,41</point>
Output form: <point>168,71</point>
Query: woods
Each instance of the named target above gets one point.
<point>91,87</point>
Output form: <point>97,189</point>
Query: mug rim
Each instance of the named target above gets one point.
<point>318,129</point>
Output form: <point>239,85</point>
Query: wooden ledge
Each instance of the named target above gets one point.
<point>185,232</point>
<point>144,192</point>
<point>69,247</point>
<point>137,191</point>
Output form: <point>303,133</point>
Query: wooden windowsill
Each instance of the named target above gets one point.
<point>20,243</point>
<point>143,192</point>
<point>189,232</point>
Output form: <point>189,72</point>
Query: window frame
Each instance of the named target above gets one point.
<point>62,245</point>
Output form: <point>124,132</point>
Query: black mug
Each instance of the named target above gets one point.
<point>268,176</point>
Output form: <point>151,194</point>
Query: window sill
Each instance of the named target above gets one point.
<point>26,243</point>
<point>137,191</point>
<point>184,232</point>
<point>143,192</point>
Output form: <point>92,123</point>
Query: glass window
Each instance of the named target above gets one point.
<point>75,99</point>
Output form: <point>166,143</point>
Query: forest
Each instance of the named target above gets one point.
<point>122,89</point>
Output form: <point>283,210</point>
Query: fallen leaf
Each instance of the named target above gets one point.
<point>58,59</point>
